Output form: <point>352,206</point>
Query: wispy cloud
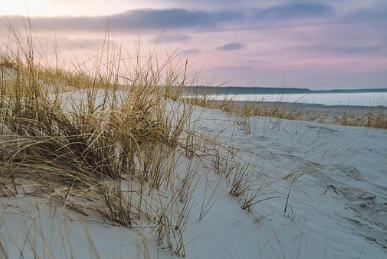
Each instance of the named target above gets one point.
<point>135,20</point>
<point>293,10</point>
<point>343,50</point>
<point>367,15</point>
<point>171,38</point>
<point>174,18</point>
<point>191,51</point>
<point>231,46</point>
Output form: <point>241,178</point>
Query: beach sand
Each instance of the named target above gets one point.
<point>319,191</point>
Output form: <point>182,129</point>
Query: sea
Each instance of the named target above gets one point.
<point>335,97</point>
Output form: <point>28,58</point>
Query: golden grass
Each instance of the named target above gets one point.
<point>116,138</point>
<point>375,117</point>
<point>108,135</point>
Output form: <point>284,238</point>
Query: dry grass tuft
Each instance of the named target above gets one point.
<point>105,139</point>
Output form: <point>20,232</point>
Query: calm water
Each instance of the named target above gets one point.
<point>351,99</point>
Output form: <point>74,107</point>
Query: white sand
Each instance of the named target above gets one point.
<point>335,176</point>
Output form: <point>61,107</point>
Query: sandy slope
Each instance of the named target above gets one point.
<point>335,178</point>
<point>339,195</point>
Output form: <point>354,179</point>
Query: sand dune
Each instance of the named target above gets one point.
<point>320,193</point>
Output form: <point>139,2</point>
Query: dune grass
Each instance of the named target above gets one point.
<point>108,135</point>
<point>374,117</point>
<point>116,138</point>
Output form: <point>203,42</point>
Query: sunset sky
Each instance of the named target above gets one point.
<point>269,43</point>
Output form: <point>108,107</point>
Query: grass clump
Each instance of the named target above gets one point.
<point>375,117</point>
<point>108,135</point>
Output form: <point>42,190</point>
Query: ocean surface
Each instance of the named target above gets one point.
<point>348,97</point>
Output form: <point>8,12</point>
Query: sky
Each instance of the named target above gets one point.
<point>269,43</point>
